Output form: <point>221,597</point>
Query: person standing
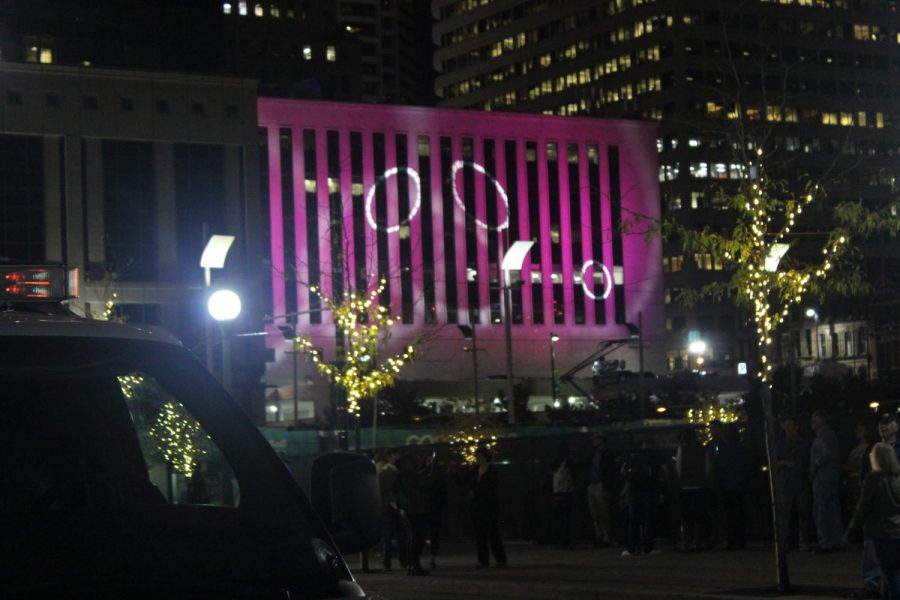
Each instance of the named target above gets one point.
<point>887,431</point>
<point>693,470</point>
<point>824,466</point>
<point>485,483</point>
<point>564,493</point>
<point>791,460</point>
<point>411,494</point>
<point>437,500</point>
<point>391,525</point>
<point>877,517</point>
<point>642,473</point>
<point>730,473</point>
<point>602,479</point>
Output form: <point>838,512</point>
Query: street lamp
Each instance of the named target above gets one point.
<point>697,347</point>
<point>213,257</point>
<point>513,259</point>
<point>812,314</point>
<point>468,332</point>
<point>553,339</point>
<point>224,306</point>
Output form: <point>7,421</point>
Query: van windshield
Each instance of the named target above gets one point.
<point>125,466</point>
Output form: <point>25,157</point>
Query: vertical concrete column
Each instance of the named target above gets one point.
<point>74,196</point>
<point>93,160</point>
<point>54,233</point>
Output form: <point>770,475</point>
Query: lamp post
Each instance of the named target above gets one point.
<point>553,339</point>
<point>468,332</point>
<point>224,306</point>
<point>512,260</point>
<point>214,254</point>
<point>812,314</point>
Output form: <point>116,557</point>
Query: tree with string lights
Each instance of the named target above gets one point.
<point>762,277</point>
<point>366,328</point>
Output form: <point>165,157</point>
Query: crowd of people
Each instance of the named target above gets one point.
<point>414,495</point>
<point>698,491</point>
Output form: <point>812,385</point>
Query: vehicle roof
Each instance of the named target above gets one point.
<point>34,323</point>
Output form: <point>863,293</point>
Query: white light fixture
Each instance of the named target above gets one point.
<point>776,252</point>
<point>515,256</point>
<point>224,305</point>
<point>697,347</point>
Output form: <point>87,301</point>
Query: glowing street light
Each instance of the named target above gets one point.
<point>224,306</point>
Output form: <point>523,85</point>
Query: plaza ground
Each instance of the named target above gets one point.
<point>546,572</point>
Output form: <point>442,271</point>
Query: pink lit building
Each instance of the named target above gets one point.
<point>430,199</point>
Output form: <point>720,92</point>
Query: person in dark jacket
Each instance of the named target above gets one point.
<point>485,508</point>
<point>693,470</point>
<point>411,494</point>
<point>730,470</point>
<point>564,493</point>
<point>602,481</point>
<point>877,515</point>
<point>437,501</point>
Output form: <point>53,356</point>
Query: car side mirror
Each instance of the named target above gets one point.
<point>344,491</point>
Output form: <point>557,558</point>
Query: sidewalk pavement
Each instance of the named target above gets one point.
<point>548,572</point>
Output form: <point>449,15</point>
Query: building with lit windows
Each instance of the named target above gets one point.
<point>812,82</point>
<point>430,200</point>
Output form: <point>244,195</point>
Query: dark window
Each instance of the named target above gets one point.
<point>381,237</point>
<point>197,109</point>
<point>163,107</point>
<point>126,104</point>
<point>360,250</point>
<point>615,201</point>
<point>512,233</point>
<point>22,193</point>
<point>288,218</point>
<point>534,224</point>
<point>597,284</point>
<point>231,111</point>
<point>468,191</point>
<point>313,258</point>
<point>335,214</point>
<point>449,230</point>
<point>574,228</point>
<point>51,100</point>
<point>199,189</point>
<point>90,103</point>
<point>424,148</point>
<point>403,209</point>
<point>14,98</point>
<point>129,210</point>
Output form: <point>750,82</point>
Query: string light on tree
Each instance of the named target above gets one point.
<point>179,438</point>
<point>366,326</point>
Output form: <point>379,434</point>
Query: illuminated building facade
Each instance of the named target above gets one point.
<point>430,199</point>
<point>811,81</point>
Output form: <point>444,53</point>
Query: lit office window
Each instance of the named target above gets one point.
<point>274,11</point>
<point>226,8</point>
<point>242,8</point>
<point>307,53</point>
<point>330,54</point>
<point>258,10</point>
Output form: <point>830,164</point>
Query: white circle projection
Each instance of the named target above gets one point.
<point>607,280</point>
<point>370,195</point>
<point>459,165</point>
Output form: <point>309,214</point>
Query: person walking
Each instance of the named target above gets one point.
<point>877,517</point>
<point>791,460</point>
<point>564,494</point>
<point>887,431</point>
<point>437,502</point>
<point>824,465</point>
<point>484,482</point>
<point>693,470</point>
<point>602,480</point>
<point>411,493</point>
